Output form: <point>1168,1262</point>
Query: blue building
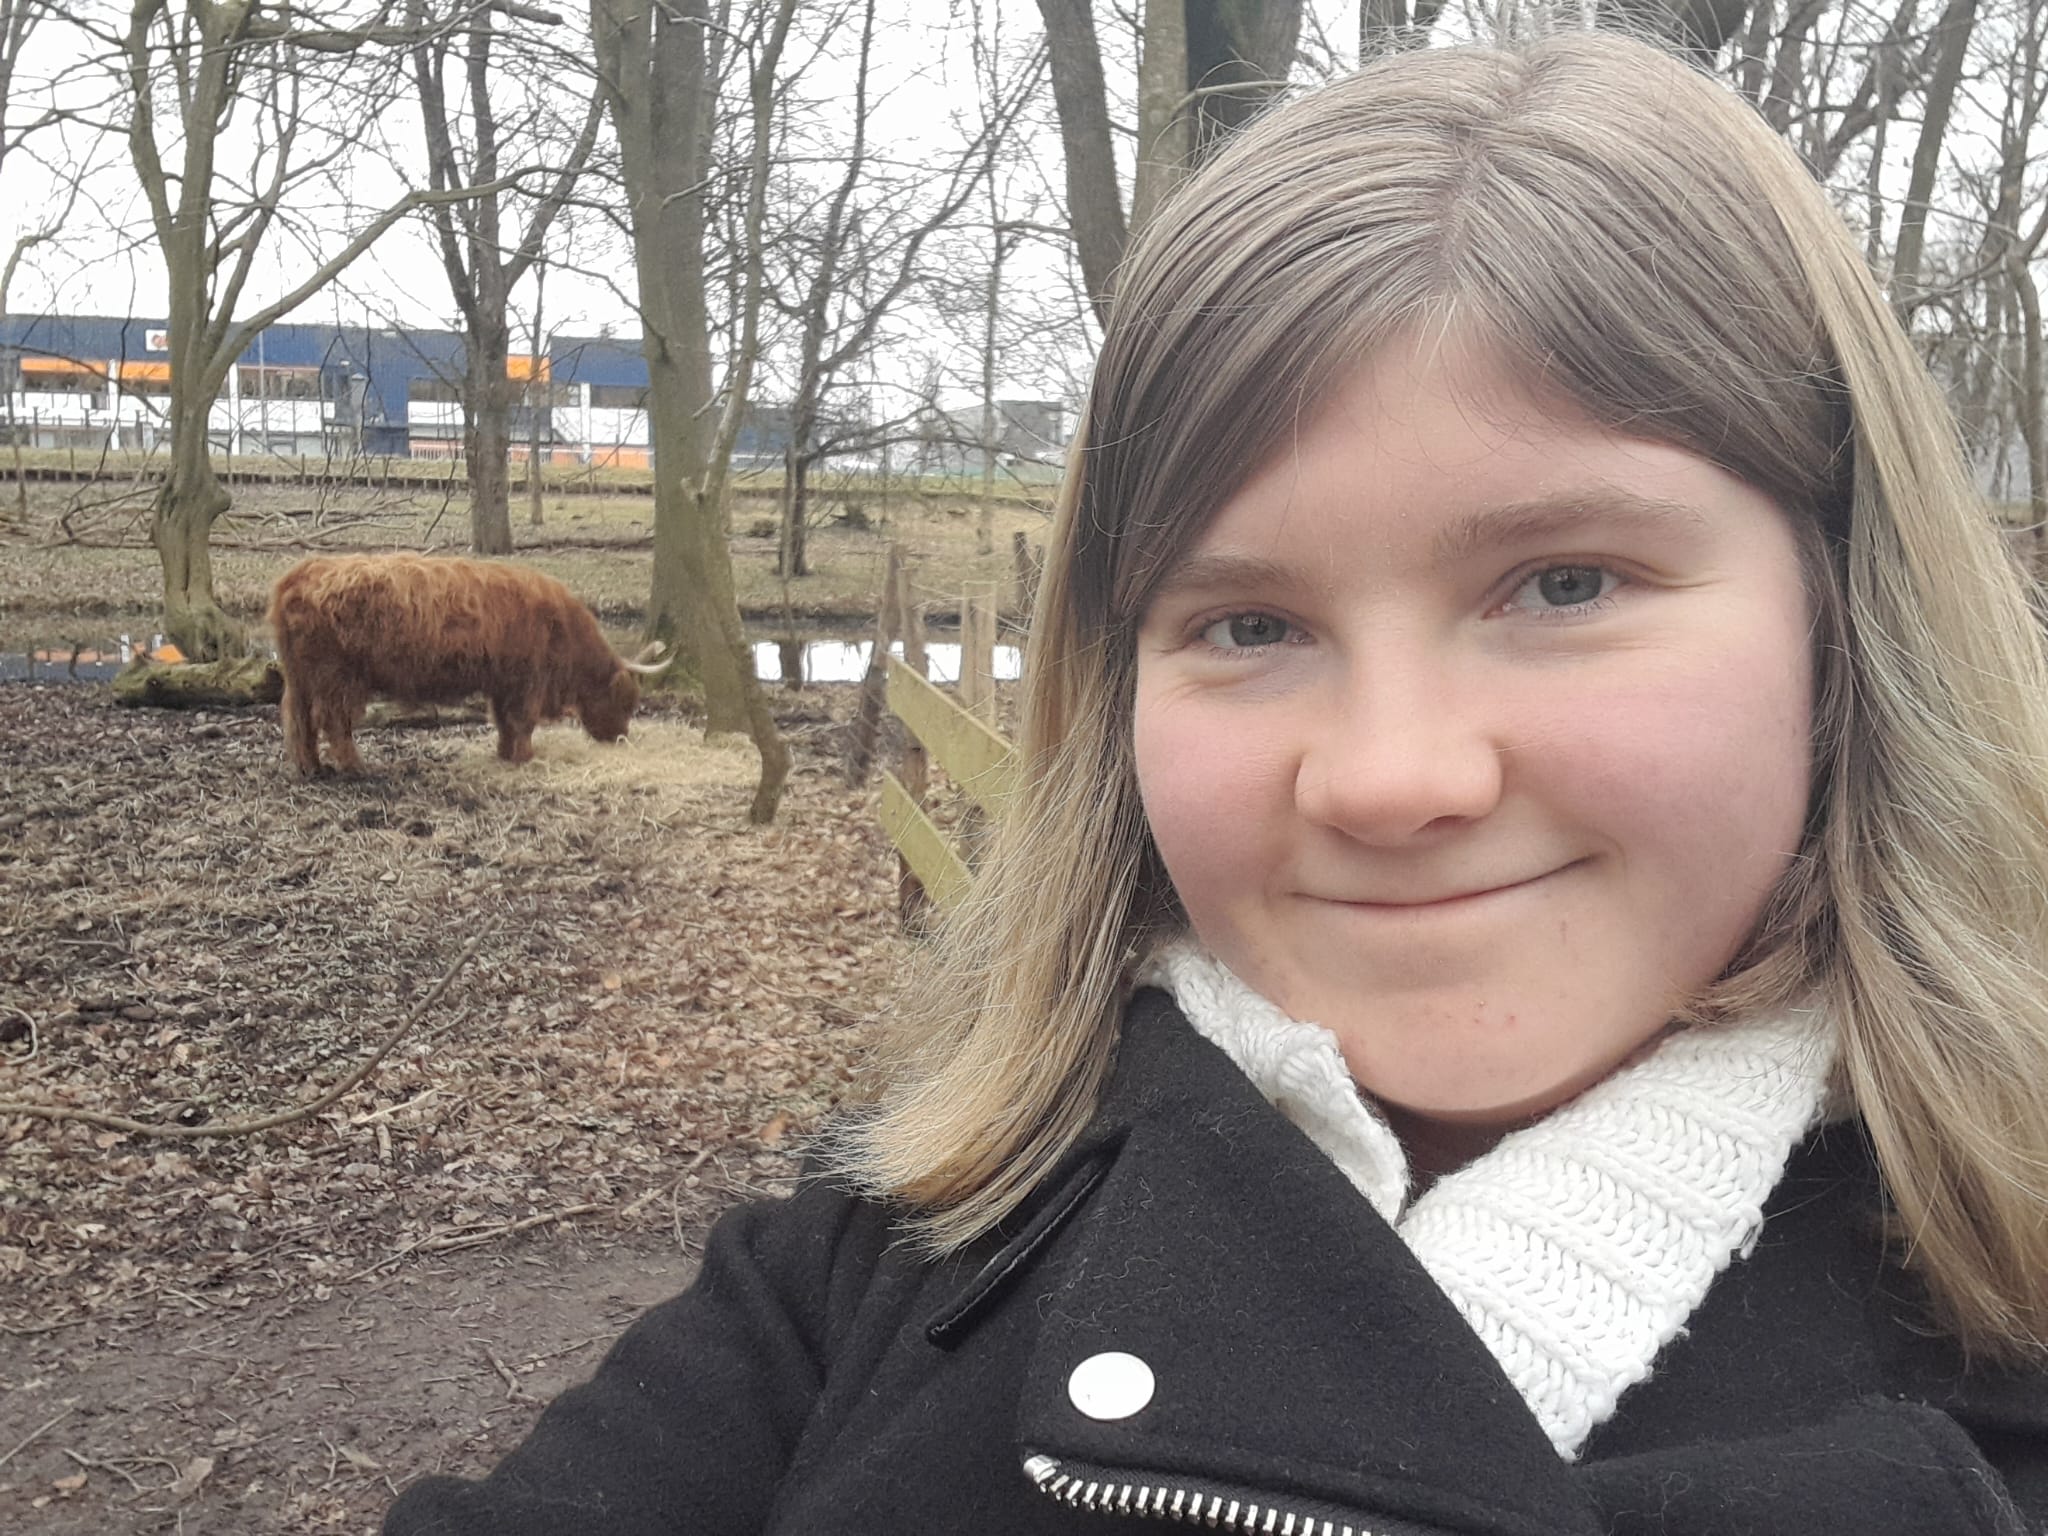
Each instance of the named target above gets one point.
<point>315,391</point>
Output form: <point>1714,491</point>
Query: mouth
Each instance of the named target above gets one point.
<point>1455,901</point>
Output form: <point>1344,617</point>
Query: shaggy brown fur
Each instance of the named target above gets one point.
<point>435,631</point>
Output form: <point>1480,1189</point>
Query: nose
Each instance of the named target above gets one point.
<point>1402,753</point>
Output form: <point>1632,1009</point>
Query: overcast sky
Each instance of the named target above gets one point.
<point>923,77</point>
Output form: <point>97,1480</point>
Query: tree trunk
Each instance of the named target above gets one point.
<point>792,555</point>
<point>693,581</point>
<point>1699,27</point>
<point>1166,128</point>
<point>2033,400</point>
<point>659,83</point>
<point>1246,44</point>
<point>1952,38</point>
<point>1095,207</point>
<point>487,434</point>
<point>540,395</point>
<point>187,503</point>
<point>985,517</point>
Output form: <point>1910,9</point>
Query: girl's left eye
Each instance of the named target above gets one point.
<point>1563,589</point>
<point>1247,631</point>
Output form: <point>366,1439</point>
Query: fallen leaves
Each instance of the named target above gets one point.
<point>198,937</point>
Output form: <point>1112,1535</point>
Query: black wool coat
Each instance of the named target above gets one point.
<point>823,1378</point>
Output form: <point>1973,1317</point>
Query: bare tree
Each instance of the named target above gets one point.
<point>1699,27</point>
<point>1204,67</point>
<point>27,111</point>
<point>240,121</point>
<point>1976,304</point>
<point>660,67</point>
<point>1951,43</point>
<point>540,387</point>
<point>1386,26</point>
<point>485,262</point>
<point>855,261</point>
<point>1095,202</point>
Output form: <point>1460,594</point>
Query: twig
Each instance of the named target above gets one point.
<point>30,1330</point>
<point>36,1434</point>
<point>35,1040</point>
<point>113,1464</point>
<point>266,1122</point>
<point>452,1242</point>
<point>449,1242</point>
<point>514,1392</point>
<point>372,1117</point>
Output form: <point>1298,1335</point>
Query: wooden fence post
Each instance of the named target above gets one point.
<point>867,719</point>
<point>913,768</point>
<point>978,650</point>
<point>1029,564</point>
<point>967,680</point>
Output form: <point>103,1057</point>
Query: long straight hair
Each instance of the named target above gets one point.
<point>1634,238</point>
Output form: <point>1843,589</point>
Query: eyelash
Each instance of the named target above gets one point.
<point>1541,615</point>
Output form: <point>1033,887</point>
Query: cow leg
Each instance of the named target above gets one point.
<point>301,735</point>
<point>338,719</point>
<point>516,719</point>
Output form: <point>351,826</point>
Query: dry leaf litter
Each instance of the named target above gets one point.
<point>663,1000</point>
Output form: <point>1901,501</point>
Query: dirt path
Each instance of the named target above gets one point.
<point>310,1413</point>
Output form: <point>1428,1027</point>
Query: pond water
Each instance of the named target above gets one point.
<point>824,660</point>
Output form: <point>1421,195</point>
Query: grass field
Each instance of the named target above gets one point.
<point>82,563</point>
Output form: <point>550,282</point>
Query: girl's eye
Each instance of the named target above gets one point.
<point>1563,588</point>
<point>1246,631</point>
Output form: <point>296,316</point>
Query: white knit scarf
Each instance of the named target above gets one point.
<point>1578,1246</point>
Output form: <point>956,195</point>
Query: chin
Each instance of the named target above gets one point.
<point>1509,1102</point>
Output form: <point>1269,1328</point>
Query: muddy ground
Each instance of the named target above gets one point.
<point>270,1331</point>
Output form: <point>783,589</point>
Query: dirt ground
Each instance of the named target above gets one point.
<point>647,1004</point>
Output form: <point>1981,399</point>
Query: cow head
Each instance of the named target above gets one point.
<point>606,710</point>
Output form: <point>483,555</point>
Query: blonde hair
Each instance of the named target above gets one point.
<point>1636,238</point>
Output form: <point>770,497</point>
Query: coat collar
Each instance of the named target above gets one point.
<point>1219,1239</point>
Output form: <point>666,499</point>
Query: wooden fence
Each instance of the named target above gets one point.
<point>955,730</point>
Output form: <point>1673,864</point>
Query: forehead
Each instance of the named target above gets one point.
<point>1450,444</point>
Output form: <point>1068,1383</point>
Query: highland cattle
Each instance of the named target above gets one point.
<point>437,630</point>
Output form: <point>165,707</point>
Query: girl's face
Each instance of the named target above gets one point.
<point>1477,734</point>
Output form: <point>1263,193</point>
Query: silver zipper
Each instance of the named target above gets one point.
<point>1164,1501</point>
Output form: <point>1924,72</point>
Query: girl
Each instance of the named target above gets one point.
<point>1511,1001</point>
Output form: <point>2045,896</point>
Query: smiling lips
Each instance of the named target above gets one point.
<point>1450,902</point>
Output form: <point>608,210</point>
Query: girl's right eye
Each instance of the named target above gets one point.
<point>1247,632</point>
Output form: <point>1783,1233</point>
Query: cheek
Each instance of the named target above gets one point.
<point>1209,788</point>
<point>1701,777</point>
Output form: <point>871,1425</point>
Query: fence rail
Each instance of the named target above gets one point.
<point>937,726</point>
<point>981,762</point>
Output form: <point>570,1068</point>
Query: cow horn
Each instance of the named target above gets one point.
<point>653,657</point>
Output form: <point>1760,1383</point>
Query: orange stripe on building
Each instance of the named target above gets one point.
<point>61,368</point>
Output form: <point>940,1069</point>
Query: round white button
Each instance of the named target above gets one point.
<point>1111,1385</point>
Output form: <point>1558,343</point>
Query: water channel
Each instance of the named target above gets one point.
<point>825,659</point>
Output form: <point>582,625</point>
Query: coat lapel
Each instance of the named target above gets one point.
<point>1295,1345</point>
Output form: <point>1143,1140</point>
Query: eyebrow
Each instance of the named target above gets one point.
<point>1226,572</point>
<point>1547,516</point>
<point>1511,522</point>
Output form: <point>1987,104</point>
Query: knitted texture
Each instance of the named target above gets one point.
<point>1577,1247</point>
